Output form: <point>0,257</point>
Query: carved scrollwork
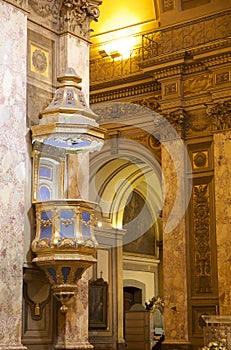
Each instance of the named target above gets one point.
<point>76,15</point>
<point>202,255</point>
<point>177,122</point>
<point>67,243</point>
<point>220,115</point>
<point>45,8</point>
<point>151,103</point>
<point>120,111</point>
<point>43,243</point>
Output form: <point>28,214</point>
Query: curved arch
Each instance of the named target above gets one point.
<point>114,176</point>
<point>136,284</point>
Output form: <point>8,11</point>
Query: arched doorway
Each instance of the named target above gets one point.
<point>125,179</point>
<point>132,295</point>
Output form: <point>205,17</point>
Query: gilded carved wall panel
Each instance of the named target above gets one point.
<point>168,5</point>
<point>201,238</point>
<point>198,84</point>
<point>41,58</point>
<point>202,265</point>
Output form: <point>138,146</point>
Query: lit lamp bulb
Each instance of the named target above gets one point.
<point>99,224</point>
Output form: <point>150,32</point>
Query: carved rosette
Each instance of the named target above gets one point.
<point>76,15</point>
<point>220,115</point>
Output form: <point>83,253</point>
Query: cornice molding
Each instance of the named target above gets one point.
<point>125,92</point>
<point>188,62</point>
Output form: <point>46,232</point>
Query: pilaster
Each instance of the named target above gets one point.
<point>222,169</point>
<point>175,294</point>
<point>13,50</point>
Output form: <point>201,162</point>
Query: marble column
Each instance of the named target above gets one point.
<point>74,53</point>
<point>174,244</point>
<point>73,326</point>
<point>222,171</point>
<point>13,51</point>
<point>120,318</point>
<point>118,259</point>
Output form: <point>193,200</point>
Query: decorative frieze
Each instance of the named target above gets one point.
<point>220,115</point>
<point>149,102</point>
<point>198,84</point>
<point>119,111</point>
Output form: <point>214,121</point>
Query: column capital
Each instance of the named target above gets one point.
<point>76,15</point>
<point>173,124</point>
<point>220,115</point>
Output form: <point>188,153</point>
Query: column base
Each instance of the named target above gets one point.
<point>121,346</point>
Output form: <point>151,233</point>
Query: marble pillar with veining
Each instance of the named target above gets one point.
<point>222,171</point>
<point>174,243</point>
<point>13,50</point>
<point>74,53</point>
<point>73,327</point>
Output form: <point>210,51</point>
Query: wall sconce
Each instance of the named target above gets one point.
<point>103,53</point>
<point>115,54</point>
